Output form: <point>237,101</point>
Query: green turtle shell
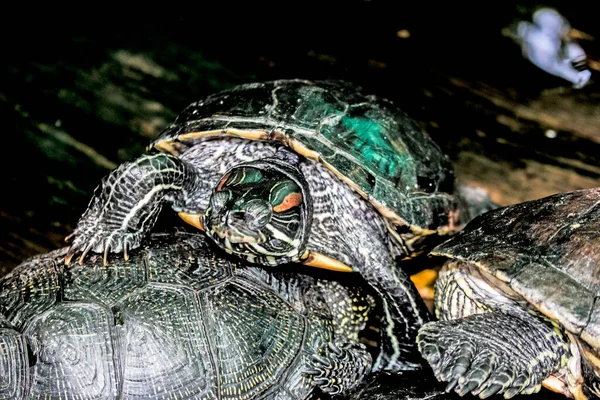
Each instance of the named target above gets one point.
<point>366,141</point>
<point>175,321</point>
<point>548,252</point>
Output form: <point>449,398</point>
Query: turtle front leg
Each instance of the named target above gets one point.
<point>341,367</point>
<point>495,352</point>
<point>126,204</point>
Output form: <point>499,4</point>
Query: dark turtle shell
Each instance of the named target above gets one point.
<point>548,252</point>
<point>366,141</point>
<point>176,321</point>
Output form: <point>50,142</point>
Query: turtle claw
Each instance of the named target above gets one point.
<point>466,388</point>
<point>69,255</point>
<point>512,392</point>
<point>451,385</point>
<point>480,368</point>
<point>69,237</point>
<point>320,360</point>
<point>491,390</point>
<point>342,366</point>
<point>313,372</point>
<point>84,253</point>
<point>102,242</point>
<point>105,258</point>
<point>335,349</point>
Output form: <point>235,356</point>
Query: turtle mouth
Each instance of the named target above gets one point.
<point>236,234</point>
<point>231,226</point>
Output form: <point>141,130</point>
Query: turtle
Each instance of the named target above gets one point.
<point>317,173</point>
<point>180,319</point>
<point>518,300</point>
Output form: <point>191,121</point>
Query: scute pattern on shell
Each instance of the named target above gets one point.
<point>175,320</point>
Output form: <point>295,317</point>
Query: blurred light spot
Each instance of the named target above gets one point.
<point>270,63</point>
<point>403,34</point>
<point>377,64</point>
<point>550,134</point>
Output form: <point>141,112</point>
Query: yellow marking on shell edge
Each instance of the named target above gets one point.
<point>501,275</point>
<point>256,134</point>
<point>194,220</point>
<point>593,358</point>
<point>166,147</point>
<point>262,134</point>
<point>318,260</point>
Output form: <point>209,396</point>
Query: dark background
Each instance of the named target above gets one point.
<point>82,90</point>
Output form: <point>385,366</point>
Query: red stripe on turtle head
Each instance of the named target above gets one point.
<point>289,201</point>
<point>223,181</point>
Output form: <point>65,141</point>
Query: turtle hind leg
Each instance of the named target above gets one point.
<point>495,352</point>
<point>342,366</point>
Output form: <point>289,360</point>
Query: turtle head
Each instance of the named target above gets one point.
<point>261,211</point>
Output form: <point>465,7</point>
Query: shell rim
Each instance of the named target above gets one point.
<point>504,278</point>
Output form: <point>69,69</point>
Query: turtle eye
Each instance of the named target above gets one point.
<point>258,214</point>
<point>219,200</point>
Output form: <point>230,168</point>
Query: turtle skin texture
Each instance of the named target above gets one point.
<point>519,301</point>
<point>178,320</point>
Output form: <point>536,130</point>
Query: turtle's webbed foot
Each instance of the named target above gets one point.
<point>102,239</point>
<point>474,364</point>
<point>341,367</point>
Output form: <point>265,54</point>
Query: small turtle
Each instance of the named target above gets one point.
<point>519,301</point>
<point>178,320</point>
<point>292,171</point>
